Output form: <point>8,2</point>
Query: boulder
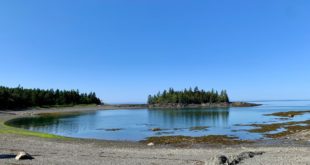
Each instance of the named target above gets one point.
<point>23,156</point>
<point>150,144</point>
<point>222,160</point>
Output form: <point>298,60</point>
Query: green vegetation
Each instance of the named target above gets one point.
<point>189,96</point>
<point>17,98</point>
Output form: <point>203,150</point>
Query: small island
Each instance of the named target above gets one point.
<point>193,98</point>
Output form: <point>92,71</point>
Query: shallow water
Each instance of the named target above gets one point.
<point>135,125</point>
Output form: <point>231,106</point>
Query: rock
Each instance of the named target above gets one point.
<point>222,160</point>
<point>291,115</point>
<point>246,155</point>
<point>23,156</point>
<point>150,144</point>
<point>155,129</point>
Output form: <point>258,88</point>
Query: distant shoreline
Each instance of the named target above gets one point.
<point>136,106</point>
<point>207,105</point>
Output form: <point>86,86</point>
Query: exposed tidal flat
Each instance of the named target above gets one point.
<point>188,136</point>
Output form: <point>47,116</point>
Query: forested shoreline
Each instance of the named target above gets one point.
<point>189,96</point>
<point>19,97</point>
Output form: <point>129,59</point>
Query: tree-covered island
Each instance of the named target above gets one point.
<point>192,98</point>
<point>19,98</point>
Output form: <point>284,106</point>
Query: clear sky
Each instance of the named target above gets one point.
<point>126,49</point>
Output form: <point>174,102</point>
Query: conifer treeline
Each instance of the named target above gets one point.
<point>12,98</point>
<point>189,96</point>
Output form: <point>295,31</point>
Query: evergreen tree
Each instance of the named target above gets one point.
<point>15,98</point>
<point>189,96</point>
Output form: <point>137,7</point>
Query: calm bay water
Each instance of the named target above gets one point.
<point>135,125</point>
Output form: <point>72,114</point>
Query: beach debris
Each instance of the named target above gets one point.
<point>150,144</point>
<point>23,156</point>
<point>224,160</point>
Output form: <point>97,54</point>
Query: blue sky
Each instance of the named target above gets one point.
<point>125,50</point>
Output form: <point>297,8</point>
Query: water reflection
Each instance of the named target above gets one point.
<point>189,117</point>
<point>35,121</point>
<point>48,124</point>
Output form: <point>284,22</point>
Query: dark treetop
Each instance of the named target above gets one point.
<point>16,98</point>
<point>189,96</point>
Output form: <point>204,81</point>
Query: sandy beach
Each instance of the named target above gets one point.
<point>289,150</point>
